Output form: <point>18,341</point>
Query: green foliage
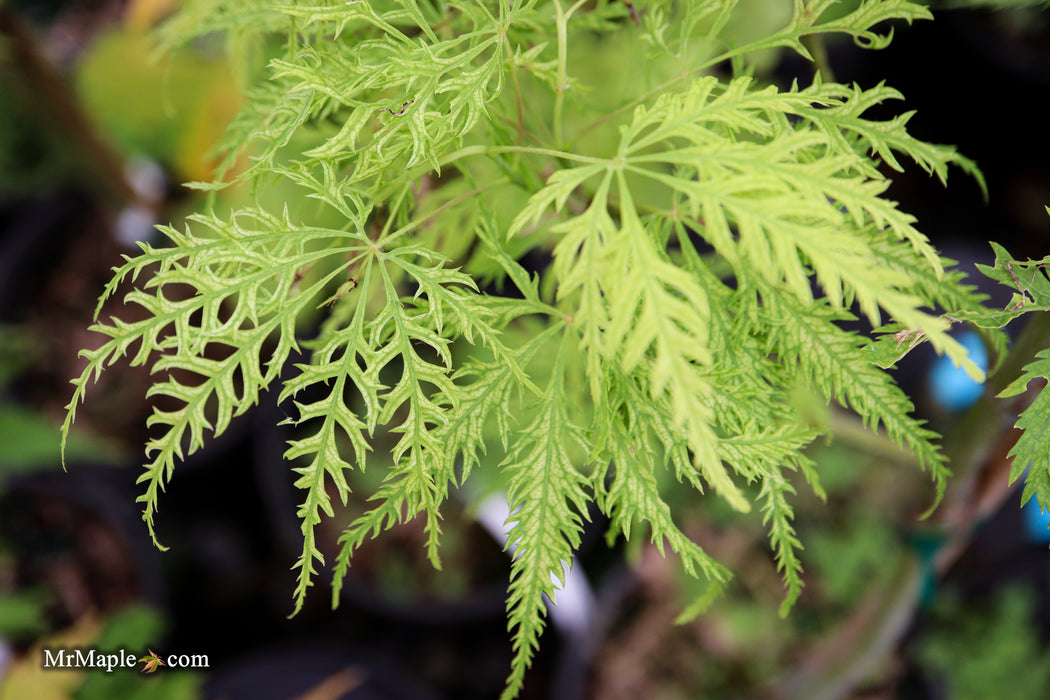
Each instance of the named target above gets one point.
<point>28,440</point>
<point>709,236</point>
<point>28,157</point>
<point>22,613</point>
<point>852,556</point>
<point>981,650</point>
<point>1032,450</point>
<point>1031,287</point>
<point>135,627</point>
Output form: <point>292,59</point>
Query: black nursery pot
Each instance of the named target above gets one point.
<point>80,535</point>
<point>314,668</point>
<point>460,641</point>
<point>390,575</point>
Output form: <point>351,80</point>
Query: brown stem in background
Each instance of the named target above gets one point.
<point>976,450</point>
<point>104,169</point>
<point>978,445</point>
<point>814,43</point>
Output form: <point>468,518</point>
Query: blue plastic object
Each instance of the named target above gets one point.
<point>949,385</point>
<point>1036,522</point>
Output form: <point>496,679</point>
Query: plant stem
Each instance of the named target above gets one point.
<point>103,167</point>
<point>976,437</point>
<point>518,103</point>
<point>814,43</point>
<point>483,150</point>
<point>850,653</point>
<point>386,238</point>
<point>561,19</point>
<point>849,429</point>
<point>857,648</point>
<point>778,40</point>
<point>549,152</point>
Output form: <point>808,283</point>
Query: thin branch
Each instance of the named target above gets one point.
<point>105,169</point>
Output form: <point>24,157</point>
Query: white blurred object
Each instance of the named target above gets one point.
<point>134,223</point>
<point>147,179</point>
<point>7,657</point>
<point>137,220</point>
<point>574,606</point>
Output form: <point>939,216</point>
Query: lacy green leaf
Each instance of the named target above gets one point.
<point>452,252</point>
<point>1032,450</point>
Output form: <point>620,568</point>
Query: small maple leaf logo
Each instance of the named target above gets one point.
<point>152,662</point>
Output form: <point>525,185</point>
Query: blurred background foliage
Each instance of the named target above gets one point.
<point>97,131</point>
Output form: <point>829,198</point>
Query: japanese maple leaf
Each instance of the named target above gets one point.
<point>152,662</point>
